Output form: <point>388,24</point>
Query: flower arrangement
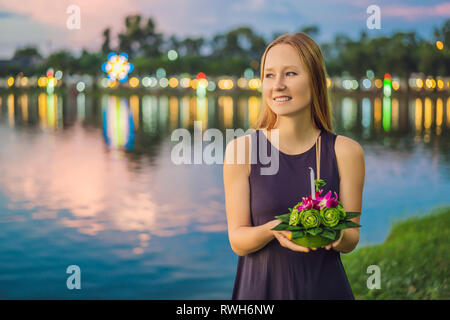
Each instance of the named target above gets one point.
<point>317,220</point>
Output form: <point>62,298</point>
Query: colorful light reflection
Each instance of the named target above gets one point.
<point>118,125</point>
<point>117,67</point>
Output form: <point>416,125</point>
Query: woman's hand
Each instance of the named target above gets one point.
<point>284,238</point>
<point>336,243</point>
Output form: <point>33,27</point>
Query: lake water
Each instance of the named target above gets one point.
<point>88,180</point>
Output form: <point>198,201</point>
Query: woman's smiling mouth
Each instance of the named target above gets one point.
<point>282,99</point>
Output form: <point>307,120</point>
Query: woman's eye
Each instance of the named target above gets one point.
<point>270,75</point>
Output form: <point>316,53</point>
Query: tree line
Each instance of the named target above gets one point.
<point>233,51</point>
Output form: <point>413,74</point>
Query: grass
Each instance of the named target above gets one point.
<point>413,260</point>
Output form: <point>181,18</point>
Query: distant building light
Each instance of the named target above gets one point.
<point>172,55</point>
<point>211,86</point>
<point>254,84</point>
<point>81,86</point>
<point>173,82</point>
<point>146,81</point>
<point>347,84</point>
<point>378,83</point>
<point>242,83</point>
<point>439,45</point>
<point>249,73</point>
<point>395,85</point>
<point>10,81</point>
<point>163,82</point>
<point>160,73</point>
<point>366,83</point>
<point>370,74</point>
<point>419,83</point>
<point>24,81</point>
<point>185,82</point>
<point>58,75</point>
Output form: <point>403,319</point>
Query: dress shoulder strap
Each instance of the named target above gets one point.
<point>318,149</point>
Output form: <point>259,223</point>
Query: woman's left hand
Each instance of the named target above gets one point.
<point>336,243</point>
<point>284,237</point>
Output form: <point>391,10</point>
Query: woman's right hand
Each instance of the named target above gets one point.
<point>284,237</point>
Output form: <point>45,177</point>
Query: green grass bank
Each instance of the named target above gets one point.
<point>413,260</point>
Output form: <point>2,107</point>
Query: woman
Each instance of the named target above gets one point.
<point>296,108</point>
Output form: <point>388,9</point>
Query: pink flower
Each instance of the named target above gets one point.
<point>329,201</point>
<point>310,203</point>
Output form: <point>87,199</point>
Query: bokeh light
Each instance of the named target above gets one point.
<point>10,81</point>
<point>134,82</point>
<point>172,55</point>
<point>81,86</point>
<point>117,67</point>
<point>173,82</point>
<point>439,45</point>
<point>160,73</point>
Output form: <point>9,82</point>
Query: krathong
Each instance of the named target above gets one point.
<point>317,220</point>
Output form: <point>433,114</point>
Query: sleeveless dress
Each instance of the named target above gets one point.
<point>275,272</point>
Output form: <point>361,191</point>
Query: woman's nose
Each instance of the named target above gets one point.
<point>279,83</point>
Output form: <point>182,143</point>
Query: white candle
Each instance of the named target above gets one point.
<point>313,186</point>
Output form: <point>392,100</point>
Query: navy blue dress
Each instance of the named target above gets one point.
<point>275,272</point>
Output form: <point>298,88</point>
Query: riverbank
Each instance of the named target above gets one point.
<point>413,261</point>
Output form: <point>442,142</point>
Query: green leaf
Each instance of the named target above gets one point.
<point>319,182</point>
<point>281,226</point>
<point>330,234</point>
<point>351,224</point>
<point>314,231</point>
<point>284,217</point>
<point>351,215</point>
<point>298,234</point>
<point>345,225</point>
<point>294,228</point>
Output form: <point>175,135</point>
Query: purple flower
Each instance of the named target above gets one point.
<point>329,201</point>
<point>310,203</point>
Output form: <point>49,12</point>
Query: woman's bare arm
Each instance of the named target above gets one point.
<point>350,159</point>
<point>244,238</point>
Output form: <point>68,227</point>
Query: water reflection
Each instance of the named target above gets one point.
<point>349,112</point>
<point>50,111</point>
<point>11,111</point>
<point>154,117</point>
<point>132,185</point>
<point>102,191</point>
<point>81,106</point>
<point>99,190</point>
<point>130,121</point>
<point>150,113</point>
<point>119,122</point>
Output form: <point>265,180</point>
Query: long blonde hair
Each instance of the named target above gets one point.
<point>312,58</point>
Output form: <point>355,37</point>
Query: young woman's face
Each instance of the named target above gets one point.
<point>285,76</point>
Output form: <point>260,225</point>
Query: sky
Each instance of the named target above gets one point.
<point>43,23</point>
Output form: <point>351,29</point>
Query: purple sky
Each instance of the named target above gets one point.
<point>43,22</point>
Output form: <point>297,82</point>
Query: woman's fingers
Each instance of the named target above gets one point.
<point>285,237</point>
<point>282,237</point>
<point>287,234</point>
